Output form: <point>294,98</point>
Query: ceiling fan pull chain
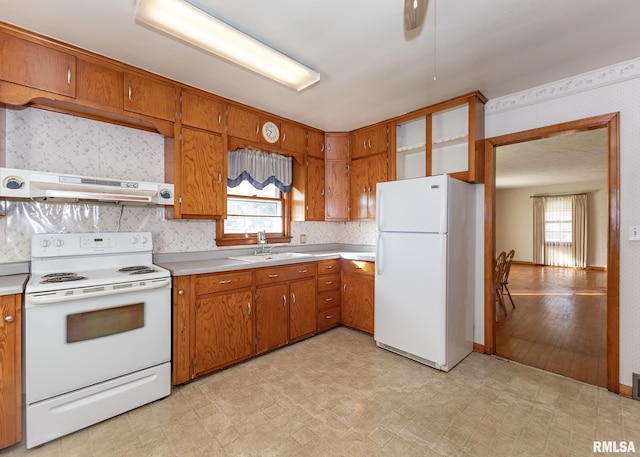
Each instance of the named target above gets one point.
<point>435,37</point>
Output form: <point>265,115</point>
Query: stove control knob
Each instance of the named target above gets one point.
<point>58,243</point>
<point>143,240</point>
<point>134,240</point>
<point>45,243</point>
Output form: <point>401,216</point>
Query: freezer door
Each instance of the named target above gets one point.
<point>410,294</point>
<point>412,205</point>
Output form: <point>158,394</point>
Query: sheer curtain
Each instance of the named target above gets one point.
<point>560,230</point>
<point>260,169</point>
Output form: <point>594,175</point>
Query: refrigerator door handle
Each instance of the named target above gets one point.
<point>378,256</point>
<point>379,211</point>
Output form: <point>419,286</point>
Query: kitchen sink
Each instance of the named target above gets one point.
<point>270,257</point>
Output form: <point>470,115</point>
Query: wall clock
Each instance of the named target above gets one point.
<point>270,132</point>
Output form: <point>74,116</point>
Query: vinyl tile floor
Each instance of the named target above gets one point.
<point>337,394</point>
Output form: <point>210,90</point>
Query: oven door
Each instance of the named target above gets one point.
<point>78,343</point>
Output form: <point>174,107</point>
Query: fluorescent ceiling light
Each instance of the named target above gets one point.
<point>190,24</point>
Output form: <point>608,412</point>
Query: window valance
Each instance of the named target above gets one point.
<point>260,169</point>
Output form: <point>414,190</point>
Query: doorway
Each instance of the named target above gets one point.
<point>610,123</point>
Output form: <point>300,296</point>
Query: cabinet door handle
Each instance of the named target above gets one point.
<point>284,136</point>
<point>329,316</point>
<point>322,147</point>
<point>129,92</point>
<point>219,118</point>
<point>248,308</point>
<point>364,189</point>
<point>284,300</point>
<point>273,275</point>
<point>322,191</point>
<point>219,178</point>
<point>181,292</point>
<point>69,75</point>
<point>369,188</point>
<point>369,142</point>
<point>8,319</point>
<point>257,128</point>
<point>328,299</point>
<point>344,288</point>
<point>329,191</point>
<point>226,281</point>
<point>293,297</point>
<point>364,144</point>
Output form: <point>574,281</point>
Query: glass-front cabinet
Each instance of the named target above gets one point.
<point>446,138</point>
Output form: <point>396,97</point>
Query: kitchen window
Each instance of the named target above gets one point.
<point>256,199</point>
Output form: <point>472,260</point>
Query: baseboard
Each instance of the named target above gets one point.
<point>597,268</point>
<point>626,391</point>
<point>477,347</point>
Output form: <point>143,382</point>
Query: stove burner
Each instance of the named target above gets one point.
<point>138,270</point>
<point>61,277</point>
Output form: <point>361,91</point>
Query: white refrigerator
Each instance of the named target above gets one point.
<point>424,279</point>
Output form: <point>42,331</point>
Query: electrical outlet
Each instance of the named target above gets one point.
<point>634,232</point>
<point>303,238</point>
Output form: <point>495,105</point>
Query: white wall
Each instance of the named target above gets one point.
<point>514,219</point>
<point>608,90</point>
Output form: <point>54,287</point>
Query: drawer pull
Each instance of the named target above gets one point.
<point>328,299</point>
<point>329,316</point>
<point>329,267</point>
<point>226,281</point>
<point>328,283</point>
<point>302,271</point>
<point>274,275</point>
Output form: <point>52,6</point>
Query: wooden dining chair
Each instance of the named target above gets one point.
<point>505,276</point>
<point>499,275</point>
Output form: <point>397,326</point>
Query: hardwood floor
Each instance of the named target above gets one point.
<point>559,323</point>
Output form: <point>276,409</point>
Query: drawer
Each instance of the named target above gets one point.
<point>357,267</point>
<point>328,318</point>
<point>327,267</point>
<point>208,284</point>
<point>302,270</point>
<point>329,299</point>
<point>271,275</point>
<point>328,282</point>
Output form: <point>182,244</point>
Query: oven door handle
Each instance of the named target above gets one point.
<point>45,298</point>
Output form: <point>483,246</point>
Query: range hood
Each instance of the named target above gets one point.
<point>15,183</point>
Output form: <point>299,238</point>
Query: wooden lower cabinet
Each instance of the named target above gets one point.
<point>272,317</point>
<point>328,285</point>
<point>357,294</point>
<point>302,310</point>
<point>224,330</point>
<point>10,370</point>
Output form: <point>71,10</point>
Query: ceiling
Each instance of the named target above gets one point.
<point>575,157</point>
<point>370,71</point>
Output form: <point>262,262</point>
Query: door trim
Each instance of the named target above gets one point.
<point>612,123</point>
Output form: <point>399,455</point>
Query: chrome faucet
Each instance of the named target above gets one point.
<point>262,240</point>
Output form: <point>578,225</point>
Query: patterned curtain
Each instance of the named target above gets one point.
<point>260,169</point>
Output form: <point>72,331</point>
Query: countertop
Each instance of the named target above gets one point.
<point>13,277</point>
<point>181,264</point>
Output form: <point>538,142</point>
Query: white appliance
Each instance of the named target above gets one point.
<point>424,281</point>
<point>97,330</point>
<point>15,183</point>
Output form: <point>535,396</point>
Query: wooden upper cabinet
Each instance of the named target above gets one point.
<point>100,84</point>
<point>293,138</point>
<point>202,184</point>
<point>243,123</point>
<point>37,66</point>
<point>315,144</point>
<point>315,189</point>
<point>337,177</point>
<point>202,112</point>
<point>149,96</point>
<point>369,141</point>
